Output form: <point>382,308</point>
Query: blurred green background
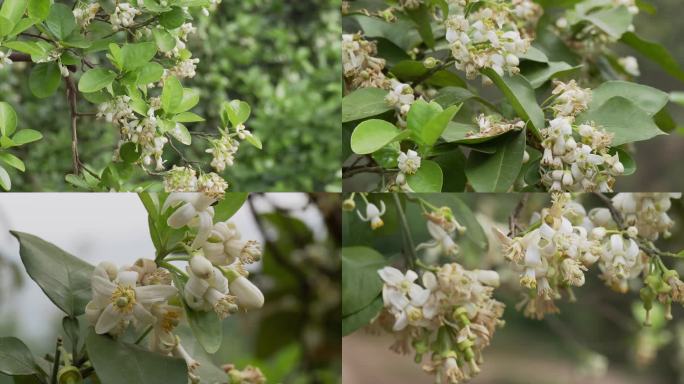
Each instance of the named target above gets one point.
<point>281,57</point>
<point>597,339</point>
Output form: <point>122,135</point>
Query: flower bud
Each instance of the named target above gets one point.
<point>249,296</point>
<point>430,62</point>
<point>69,375</point>
<point>632,231</point>
<point>348,205</point>
<point>201,266</point>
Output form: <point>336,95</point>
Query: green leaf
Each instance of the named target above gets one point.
<point>254,140</point>
<point>649,99</point>
<point>12,161</point>
<point>44,79</point>
<point>5,181</point>
<point>422,16</point>
<point>150,73</point>
<point>172,19</point>
<point>624,118</point>
<point>165,41</point>
<point>22,26</point>
<point>428,178</point>
<point>30,47</point>
<point>420,114</point>
<point>120,363</point>
<point>172,94</point>
<point>655,52</point>
<point>361,318</point>
<point>25,136</point>
<point>521,95</point>
<point>16,359</point>
<point>8,119</point>
<point>431,131</point>
<point>64,278</point>
<point>363,103</point>
<point>134,56</point>
<point>187,117</point>
<point>231,203</point>
<point>371,135</point>
<point>95,79</point>
<point>129,152</point>
<point>40,9</point>
<point>13,10</point>
<point>412,70</point>
<point>235,111</point>
<point>189,100</point>
<point>6,26</point>
<point>61,21</point>
<point>497,172</point>
<point>361,283</point>
<point>614,21</point>
<point>400,32</point>
<point>181,133</point>
<point>538,73</point>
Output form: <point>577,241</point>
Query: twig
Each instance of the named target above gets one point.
<point>431,72</point>
<point>617,217</point>
<point>513,219</point>
<point>71,97</point>
<point>36,36</point>
<point>411,251</point>
<point>55,365</point>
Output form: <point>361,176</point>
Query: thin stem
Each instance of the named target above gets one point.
<point>55,364</point>
<point>143,335</point>
<point>515,216</point>
<point>177,258</point>
<point>71,97</point>
<point>410,253</point>
<point>172,268</point>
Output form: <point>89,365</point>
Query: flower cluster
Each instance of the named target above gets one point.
<point>575,155</point>
<point>552,257</point>
<point>223,151</point>
<point>361,69</point>
<point>248,375</point>
<point>442,227</point>
<point>452,317</point>
<point>489,37</point>
<point>408,163</point>
<point>400,97</point>
<point>85,13</point>
<point>647,212</point>
<point>123,16</point>
<point>493,125</point>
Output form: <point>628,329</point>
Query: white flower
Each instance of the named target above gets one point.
<point>225,245</point>
<point>441,240</point>
<point>630,65</point>
<point>373,214</point>
<point>248,295</point>
<point>195,211</point>
<point>408,162</point>
<point>120,302</point>
<point>403,296</point>
<point>211,293</point>
<point>123,16</point>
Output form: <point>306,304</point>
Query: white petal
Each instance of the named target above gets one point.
<point>142,316</point>
<point>102,287</point>
<point>430,281</point>
<point>401,321</point>
<point>109,319</point>
<point>419,295</point>
<point>411,275</point>
<point>391,275</point>
<point>182,216</point>
<point>196,286</point>
<point>176,198</point>
<point>127,278</point>
<point>396,298</point>
<point>532,256</point>
<point>154,293</point>
<point>204,230</point>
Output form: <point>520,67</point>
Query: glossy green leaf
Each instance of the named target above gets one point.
<point>361,283</point>
<point>40,9</point>
<point>165,41</point>
<point>614,21</point>
<point>13,10</point>
<point>187,117</point>
<point>6,26</point>
<point>371,135</point>
<point>44,79</point>
<point>497,172</point>
<point>189,100</point>
<point>96,79</point>
<point>12,161</point>
<point>25,136</point>
<point>172,19</point>
<point>625,119</point>
<point>136,55</point>
<point>428,178</point>
<point>647,98</point>
<point>521,95</point>
<point>120,363</point>
<point>235,111</point>
<point>64,278</point>
<point>30,47</point>
<point>363,103</point>
<point>61,21</point>
<point>422,17</point>
<point>180,132</point>
<point>15,358</point>
<point>254,140</point>
<point>433,129</point>
<point>172,94</point>
<point>5,181</point>
<point>231,203</point>
<point>8,119</point>
<point>149,73</point>
<point>361,318</point>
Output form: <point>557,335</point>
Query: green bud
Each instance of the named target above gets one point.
<point>69,375</point>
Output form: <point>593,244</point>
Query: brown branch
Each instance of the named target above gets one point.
<point>71,98</point>
<point>36,36</point>
<point>20,57</point>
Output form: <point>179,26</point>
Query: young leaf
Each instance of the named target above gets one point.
<point>371,135</point>
<point>236,111</point>
<point>61,21</point>
<point>428,178</point>
<point>172,19</point>
<point>230,204</point>
<point>40,9</point>
<point>5,181</point>
<point>614,21</point>
<point>134,56</point>
<point>25,136</point>
<point>431,131</point>
<point>64,278</point>
<point>172,94</point>
<point>181,133</point>
<point>497,172</point>
<point>361,283</point>
<point>44,79</point>
<point>16,359</point>
<point>189,100</point>
<point>363,103</point>
<point>119,363</point>
<point>95,79</point>
<point>30,47</point>
<point>165,41</point>
<point>254,140</point>
<point>149,73</point>
<point>12,161</point>
<point>8,119</point>
<point>13,10</point>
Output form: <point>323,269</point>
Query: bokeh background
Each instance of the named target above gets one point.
<point>294,338</point>
<point>597,339</point>
<point>282,57</point>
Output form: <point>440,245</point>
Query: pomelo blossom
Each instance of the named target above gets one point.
<point>118,301</point>
<point>85,13</point>
<point>442,242</point>
<point>225,245</point>
<point>451,318</point>
<point>630,65</point>
<point>180,179</point>
<point>207,288</point>
<point>373,214</point>
<point>491,36</point>
<point>191,209</point>
<point>647,212</point>
<point>408,162</point>
<point>123,16</point>
<point>360,68</point>
<point>492,125</point>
